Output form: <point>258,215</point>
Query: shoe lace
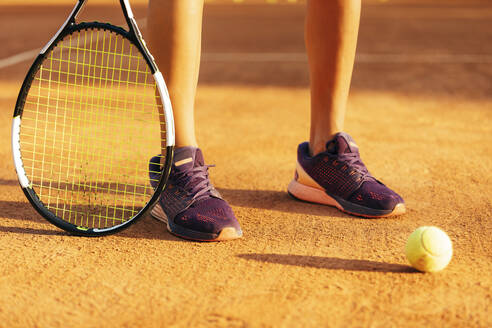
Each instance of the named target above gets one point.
<point>354,163</point>
<point>195,181</point>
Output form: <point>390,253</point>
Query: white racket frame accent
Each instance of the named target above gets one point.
<point>166,102</point>
<point>19,165</point>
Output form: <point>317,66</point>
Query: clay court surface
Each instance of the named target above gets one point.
<point>420,109</point>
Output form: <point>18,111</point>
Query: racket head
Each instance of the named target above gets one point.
<point>91,112</point>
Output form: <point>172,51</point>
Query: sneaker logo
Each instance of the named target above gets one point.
<point>352,144</point>
<point>183,161</point>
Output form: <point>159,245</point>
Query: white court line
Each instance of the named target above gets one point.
<point>19,58</point>
<point>29,55</point>
<point>284,57</point>
<point>360,58</point>
<point>425,58</point>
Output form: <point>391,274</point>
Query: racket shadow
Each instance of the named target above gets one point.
<point>32,231</point>
<point>19,211</point>
<point>144,228</point>
<point>329,263</point>
<point>8,182</point>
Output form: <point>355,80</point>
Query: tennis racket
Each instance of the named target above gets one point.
<point>93,109</point>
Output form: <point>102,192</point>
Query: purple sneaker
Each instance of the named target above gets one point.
<point>189,204</point>
<point>337,177</point>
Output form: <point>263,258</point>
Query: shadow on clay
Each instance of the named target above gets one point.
<point>145,227</point>
<point>278,201</point>
<point>330,263</point>
<point>261,199</point>
<point>149,228</point>
<point>8,182</point>
<point>19,211</point>
<point>31,231</point>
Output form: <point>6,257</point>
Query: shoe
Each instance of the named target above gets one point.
<point>189,204</point>
<point>337,177</point>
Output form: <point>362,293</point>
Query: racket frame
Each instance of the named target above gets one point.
<point>134,35</point>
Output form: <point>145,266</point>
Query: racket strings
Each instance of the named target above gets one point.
<point>91,121</point>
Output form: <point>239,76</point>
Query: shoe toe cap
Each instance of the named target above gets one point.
<point>376,196</point>
<point>211,215</point>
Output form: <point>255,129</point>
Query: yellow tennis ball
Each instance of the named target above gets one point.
<point>429,249</point>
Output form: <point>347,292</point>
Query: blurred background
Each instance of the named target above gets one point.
<point>420,109</point>
<point>435,47</point>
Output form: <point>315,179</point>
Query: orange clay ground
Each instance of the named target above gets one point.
<point>421,111</point>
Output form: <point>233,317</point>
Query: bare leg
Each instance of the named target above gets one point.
<point>331,38</point>
<point>174,35</point>
<point>175,32</point>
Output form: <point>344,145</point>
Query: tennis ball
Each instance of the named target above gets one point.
<point>429,249</point>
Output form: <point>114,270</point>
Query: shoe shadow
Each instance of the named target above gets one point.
<point>149,228</point>
<point>330,263</point>
<point>278,201</point>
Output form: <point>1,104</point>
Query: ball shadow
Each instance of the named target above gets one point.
<point>330,263</point>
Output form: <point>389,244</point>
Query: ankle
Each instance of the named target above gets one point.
<point>317,144</point>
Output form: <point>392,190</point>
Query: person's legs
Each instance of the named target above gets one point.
<point>189,204</point>
<point>329,169</point>
<point>174,36</point>
<point>331,37</point>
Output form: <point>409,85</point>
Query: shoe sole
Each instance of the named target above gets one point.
<point>228,233</point>
<point>314,195</point>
